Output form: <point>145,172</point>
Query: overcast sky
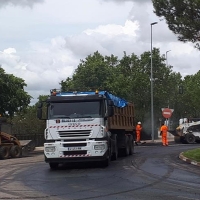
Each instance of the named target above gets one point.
<point>42,41</point>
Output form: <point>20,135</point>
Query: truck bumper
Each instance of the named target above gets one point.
<point>76,151</point>
<point>77,159</point>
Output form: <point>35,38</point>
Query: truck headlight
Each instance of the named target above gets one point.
<point>50,149</point>
<point>99,147</point>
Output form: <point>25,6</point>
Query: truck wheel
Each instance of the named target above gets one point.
<point>106,162</point>
<point>190,138</point>
<point>15,151</point>
<point>4,152</point>
<point>53,166</point>
<point>131,145</point>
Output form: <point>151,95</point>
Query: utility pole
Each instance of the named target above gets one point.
<point>152,110</point>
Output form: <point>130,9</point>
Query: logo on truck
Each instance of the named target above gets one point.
<point>74,124</point>
<point>77,120</point>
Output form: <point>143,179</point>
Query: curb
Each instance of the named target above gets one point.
<point>182,157</point>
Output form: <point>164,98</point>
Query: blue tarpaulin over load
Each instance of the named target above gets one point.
<point>118,102</point>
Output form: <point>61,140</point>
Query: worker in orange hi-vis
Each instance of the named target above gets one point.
<point>163,133</point>
<point>138,132</point>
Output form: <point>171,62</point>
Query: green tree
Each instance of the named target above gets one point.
<point>13,98</point>
<point>137,73</point>
<point>190,96</point>
<point>95,72</point>
<point>26,121</point>
<point>182,18</point>
<point>129,78</point>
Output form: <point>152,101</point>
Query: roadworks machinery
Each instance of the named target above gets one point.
<point>188,131</point>
<point>10,146</point>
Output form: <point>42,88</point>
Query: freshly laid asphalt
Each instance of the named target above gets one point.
<point>171,141</point>
<point>145,143</point>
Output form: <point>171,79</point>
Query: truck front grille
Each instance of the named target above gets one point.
<point>75,145</point>
<point>74,133</point>
<point>74,152</point>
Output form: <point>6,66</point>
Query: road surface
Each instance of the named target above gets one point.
<point>153,172</point>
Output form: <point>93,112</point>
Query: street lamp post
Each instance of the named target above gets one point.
<point>152,114</point>
<point>167,121</point>
<point>166,57</point>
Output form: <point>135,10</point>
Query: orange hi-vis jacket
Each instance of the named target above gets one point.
<point>138,127</point>
<point>164,129</point>
<point>138,130</point>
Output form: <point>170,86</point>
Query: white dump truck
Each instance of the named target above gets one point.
<point>86,126</point>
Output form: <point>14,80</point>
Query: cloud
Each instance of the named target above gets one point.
<point>47,63</point>
<point>42,67</point>
<point>44,60</point>
<point>23,3</point>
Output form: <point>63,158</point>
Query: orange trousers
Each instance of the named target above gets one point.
<point>164,139</point>
<point>138,136</point>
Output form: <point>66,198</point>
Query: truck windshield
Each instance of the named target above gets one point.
<point>73,110</point>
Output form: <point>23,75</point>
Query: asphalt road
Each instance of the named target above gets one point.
<point>153,172</point>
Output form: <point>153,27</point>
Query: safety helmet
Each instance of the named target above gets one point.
<point>139,122</point>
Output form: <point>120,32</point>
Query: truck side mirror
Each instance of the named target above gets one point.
<point>39,110</point>
<point>39,113</point>
<point>40,105</point>
<point>110,109</point>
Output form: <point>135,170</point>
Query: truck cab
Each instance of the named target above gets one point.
<point>76,127</point>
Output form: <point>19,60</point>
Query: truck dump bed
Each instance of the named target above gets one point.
<point>123,118</point>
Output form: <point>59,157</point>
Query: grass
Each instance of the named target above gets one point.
<point>193,154</point>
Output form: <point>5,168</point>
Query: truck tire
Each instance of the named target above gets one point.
<point>190,138</point>
<point>4,152</point>
<point>106,163</point>
<point>53,166</point>
<point>131,145</point>
<point>15,151</point>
